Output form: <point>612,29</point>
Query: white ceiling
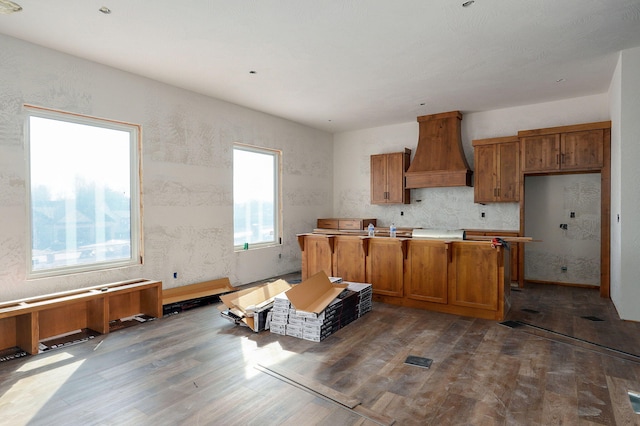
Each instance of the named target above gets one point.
<point>342,65</point>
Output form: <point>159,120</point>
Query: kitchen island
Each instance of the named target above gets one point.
<point>463,277</point>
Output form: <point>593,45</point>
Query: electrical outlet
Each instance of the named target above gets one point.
<point>572,215</point>
<point>482,215</point>
<point>175,275</point>
<point>563,269</point>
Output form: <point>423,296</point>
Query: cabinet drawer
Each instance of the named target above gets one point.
<point>328,223</point>
<point>355,224</point>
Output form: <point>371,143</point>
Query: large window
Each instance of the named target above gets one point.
<point>256,197</point>
<point>83,193</point>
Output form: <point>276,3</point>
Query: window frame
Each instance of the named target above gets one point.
<point>277,234</point>
<point>135,184</point>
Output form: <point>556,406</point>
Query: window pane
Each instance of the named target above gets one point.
<point>80,176</point>
<point>254,197</point>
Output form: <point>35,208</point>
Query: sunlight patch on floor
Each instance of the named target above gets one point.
<point>47,383</point>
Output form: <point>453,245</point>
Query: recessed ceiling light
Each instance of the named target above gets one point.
<point>105,10</point>
<point>423,104</point>
<point>253,72</point>
<point>560,80</point>
<point>7,7</point>
<point>468,3</point>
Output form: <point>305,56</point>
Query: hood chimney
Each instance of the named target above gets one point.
<point>439,159</point>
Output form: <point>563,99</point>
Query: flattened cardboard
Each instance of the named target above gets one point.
<point>255,296</point>
<point>314,294</point>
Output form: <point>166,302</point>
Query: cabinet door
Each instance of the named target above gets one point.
<point>485,185</point>
<point>317,255</point>
<point>473,276</point>
<point>384,266</point>
<point>509,172</point>
<point>395,178</point>
<point>427,271</point>
<point>349,259</point>
<point>583,150</point>
<point>378,179</point>
<point>541,153</point>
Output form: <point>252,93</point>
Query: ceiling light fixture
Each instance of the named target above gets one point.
<point>560,80</point>
<point>7,7</point>
<point>105,10</point>
<point>252,72</point>
<point>468,3</point>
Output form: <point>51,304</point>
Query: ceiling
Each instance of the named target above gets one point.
<point>341,65</point>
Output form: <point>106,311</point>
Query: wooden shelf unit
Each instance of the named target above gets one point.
<point>26,322</point>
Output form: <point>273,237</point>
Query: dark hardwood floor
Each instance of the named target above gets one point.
<point>196,368</point>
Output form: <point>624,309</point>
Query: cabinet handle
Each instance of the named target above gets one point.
<point>557,159</point>
<point>498,192</point>
<point>562,159</point>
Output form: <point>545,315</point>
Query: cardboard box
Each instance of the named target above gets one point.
<point>253,305</point>
<point>313,295</point>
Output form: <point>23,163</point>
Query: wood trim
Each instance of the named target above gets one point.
<point>565,129</point>
<point>563,284</point>
<point>493,141</point>
<point>450,114</point>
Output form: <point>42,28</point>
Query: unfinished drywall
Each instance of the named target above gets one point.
<point>445,207</point>
<point>187,171</point>
<point>562,213</point>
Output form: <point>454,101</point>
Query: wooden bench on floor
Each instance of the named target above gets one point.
<point>26,322</point>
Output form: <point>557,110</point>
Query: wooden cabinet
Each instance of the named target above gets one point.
<point>384,265</point>
<point>317,254</point>
<point>570,148</point>
<point>514,247</point>
<point>468,278</point>
<point>349,258</point>
<point>345,224</point>
<point>426,275</point>
<point>471,264</point>
<point>497,170</point>
<point>387,178</point>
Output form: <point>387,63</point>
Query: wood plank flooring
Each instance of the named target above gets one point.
<point>196,368</point>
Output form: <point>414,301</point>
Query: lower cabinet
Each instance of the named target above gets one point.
<point>348,260</point>
<point>426,276</point>
<point>384,266</point>
<point>317,254</point>
<point>468,278</point>
<point>472,264</point>
<point>514,247</point>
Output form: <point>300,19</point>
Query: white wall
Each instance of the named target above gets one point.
<point>187,171</point>
<point>445,207</point>
<point>625,141</point>
<point>615,104</point>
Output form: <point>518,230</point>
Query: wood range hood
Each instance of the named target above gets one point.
<point>439,159</point>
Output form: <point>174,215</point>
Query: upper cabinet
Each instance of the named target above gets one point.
<point>568,148</point>
<point>497,170</point>
<point>387,178</point>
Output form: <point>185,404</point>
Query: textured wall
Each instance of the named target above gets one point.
<point>187,171</point>
<point>445,207</point>
<point>549,202</point>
